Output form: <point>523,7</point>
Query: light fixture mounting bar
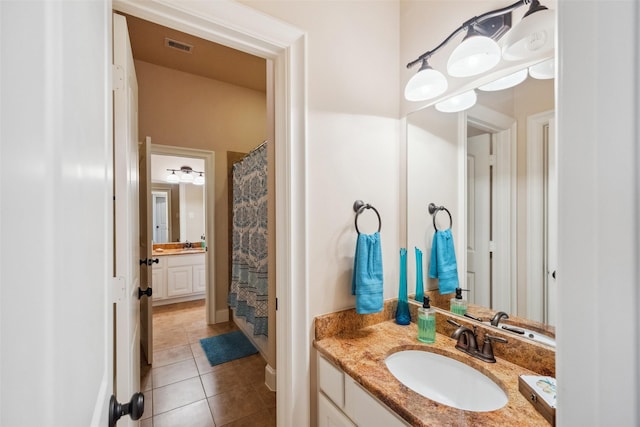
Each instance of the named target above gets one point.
<point>468,24</point>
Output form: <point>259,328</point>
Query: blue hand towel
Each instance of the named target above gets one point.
<point>443,265</point>
<point>366,283</point>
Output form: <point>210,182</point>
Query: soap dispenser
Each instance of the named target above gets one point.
<point>459,304</point>
<point>426,322</point>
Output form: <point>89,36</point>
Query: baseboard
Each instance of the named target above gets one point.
<point>222,315</point>
<point>270,377</point>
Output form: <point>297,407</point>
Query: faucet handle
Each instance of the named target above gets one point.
<point>454,323</point>
<point>487,349</point>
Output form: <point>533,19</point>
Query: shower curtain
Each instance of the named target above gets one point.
<point>248,295</point>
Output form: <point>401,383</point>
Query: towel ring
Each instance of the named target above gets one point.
<point>433,210</point>
<point>359,206</point>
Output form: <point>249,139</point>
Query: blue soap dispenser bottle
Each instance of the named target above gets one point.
<point>426,322</point>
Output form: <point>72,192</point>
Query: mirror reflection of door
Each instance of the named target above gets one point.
<point>479,192</point>
<point>160,203</point>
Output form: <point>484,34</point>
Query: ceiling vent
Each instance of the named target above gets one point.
<point>174,44</point>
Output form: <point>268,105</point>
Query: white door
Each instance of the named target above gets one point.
<point>160,209</point>
<point>478,219</point>
<point>126,228</point>
<point>551,291</point>
<point>146,250</point>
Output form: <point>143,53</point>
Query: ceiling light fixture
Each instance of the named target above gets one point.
<point>479,51</point>
<point>186,176</point>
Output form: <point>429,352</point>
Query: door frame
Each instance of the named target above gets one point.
<point>241,27</point>
<point>535,277</point>
<point>504,293</point>
<point>209,200</point>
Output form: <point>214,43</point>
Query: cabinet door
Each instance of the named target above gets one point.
<point>159,284</point>
<point>199,278</point>
<point>329,415</point>
<point>366,410</point>
<point>179,281</point>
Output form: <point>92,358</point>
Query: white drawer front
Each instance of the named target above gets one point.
<point>331,381</point>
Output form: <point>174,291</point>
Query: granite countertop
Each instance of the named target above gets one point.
<point>178,251</point>
<point>361,354</point>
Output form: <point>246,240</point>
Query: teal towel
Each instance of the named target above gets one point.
<point>443,265</point>
<point>367,283</point>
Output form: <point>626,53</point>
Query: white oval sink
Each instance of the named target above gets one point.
<point>446,380</point>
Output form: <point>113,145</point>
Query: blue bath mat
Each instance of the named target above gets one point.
<point>226,347</point>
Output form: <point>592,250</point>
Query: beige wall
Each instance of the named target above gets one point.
<point>185,110</point>
<point>194,212</point>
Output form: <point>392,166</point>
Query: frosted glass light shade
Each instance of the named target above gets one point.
<point>473,56</point>
<point>199,180</point>
<point>425,84</point>
<point>458,103</point>
<point>173,178</point>
<point>186,177</point>
<point>544,70</point>
<point>533,36</point>
<point>506,82</point>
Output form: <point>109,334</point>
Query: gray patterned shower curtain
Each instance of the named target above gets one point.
<point>248,295</point>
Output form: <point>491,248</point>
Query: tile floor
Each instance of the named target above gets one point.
<point>181,389</point>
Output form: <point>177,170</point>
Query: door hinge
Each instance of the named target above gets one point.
<point>276,304</point>
<point>118,77</point>
<point>118,288</point>
<point>492,246</point>
<point>492,159</point>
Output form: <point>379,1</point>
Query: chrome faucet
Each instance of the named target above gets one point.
<point>495,320</point>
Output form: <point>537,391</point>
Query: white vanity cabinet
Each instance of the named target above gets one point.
<point>179,278</point>
<point>343,402</point>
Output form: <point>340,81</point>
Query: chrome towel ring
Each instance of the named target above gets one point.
<point>359,206</point>
<point>433,210</point>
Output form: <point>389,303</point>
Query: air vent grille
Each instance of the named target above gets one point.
<point>174,44</point>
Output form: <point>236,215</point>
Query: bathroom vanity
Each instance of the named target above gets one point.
<point>179,275</point>
<point>355,387</point>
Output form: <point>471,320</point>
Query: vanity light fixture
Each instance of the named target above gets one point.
<point>458,103</point>
<point>506,82</point>
<point>427,83</point>
<point>186,176</point>
<point>479,51</point>
<point>543,70</point>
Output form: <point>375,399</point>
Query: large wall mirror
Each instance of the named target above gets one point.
<point>493,167</point>
<point>177,208</point>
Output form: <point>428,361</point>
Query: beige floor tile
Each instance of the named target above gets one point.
<point>264,418</point>
<point>195,414</point>
<point>204,367</point>
<point>174,337</point>
<point>173,373</point>
<point>172,355</point>
<point>176,395</point>
<point>234,404</point>
<point>197,350</point>
<point>268,397</point>
<point>146,422</point>
<point>221,380</point>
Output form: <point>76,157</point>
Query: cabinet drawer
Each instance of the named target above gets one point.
<point>331,381</point>
<point>180,260</point>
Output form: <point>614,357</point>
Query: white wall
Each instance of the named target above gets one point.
<point>353,150</point>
